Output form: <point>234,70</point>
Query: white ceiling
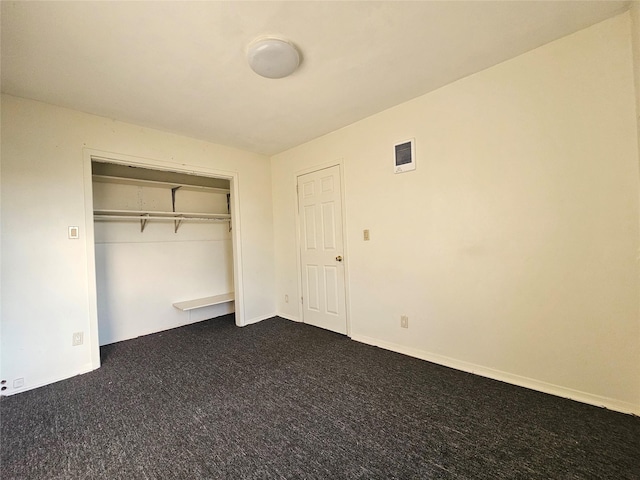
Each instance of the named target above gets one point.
<point>181,67</point>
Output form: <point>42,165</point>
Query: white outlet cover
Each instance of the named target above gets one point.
<point>77,339</point>
<point>18,382</point>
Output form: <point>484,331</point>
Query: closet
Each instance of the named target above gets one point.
<point>163,249</point>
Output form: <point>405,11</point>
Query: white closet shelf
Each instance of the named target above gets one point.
<point>176,217</point>
<point>154,183</point>
<point>205,302</point>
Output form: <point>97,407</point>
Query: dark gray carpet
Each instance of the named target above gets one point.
<point>285,400</point>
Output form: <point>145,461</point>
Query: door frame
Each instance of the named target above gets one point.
<point>316,168</point>
<point>90,155</point>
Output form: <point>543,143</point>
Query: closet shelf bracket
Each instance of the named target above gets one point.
<point>143,221</point>
<point>177,224</point>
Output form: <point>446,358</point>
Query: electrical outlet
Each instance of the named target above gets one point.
<point>78,338</point>
<point>404,321</point>
<point>366,235</point>
<point>286,299</point>
<point>18,382</point>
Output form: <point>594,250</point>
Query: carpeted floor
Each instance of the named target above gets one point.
<point>285,400</point>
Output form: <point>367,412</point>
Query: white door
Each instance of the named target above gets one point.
<point>321,250</point>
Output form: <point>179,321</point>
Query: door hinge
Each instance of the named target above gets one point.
<point>302,300</point>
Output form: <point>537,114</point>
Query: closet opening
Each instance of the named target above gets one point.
<point>164,244</point>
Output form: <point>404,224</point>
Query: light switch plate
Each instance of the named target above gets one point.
<point>74,232</point>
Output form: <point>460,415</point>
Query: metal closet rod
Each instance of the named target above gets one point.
<point>151,217</point>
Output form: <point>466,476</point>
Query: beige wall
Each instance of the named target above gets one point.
<point>635,43</point>
<point>513,246</point>
<point>46,286</point>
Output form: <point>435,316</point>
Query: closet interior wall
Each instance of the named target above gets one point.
<point>144,266</point>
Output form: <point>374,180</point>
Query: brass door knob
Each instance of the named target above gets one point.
<point>339,258</point>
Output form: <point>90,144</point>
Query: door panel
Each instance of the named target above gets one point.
<point>323,277</point>
<point>310,227</point>
<point>328,226</point>
<point>331,287</point>
<point>312,288</point>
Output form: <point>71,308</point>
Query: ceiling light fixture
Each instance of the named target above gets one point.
<point>272,57</point>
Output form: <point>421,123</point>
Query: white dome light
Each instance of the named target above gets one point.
<point>273,58</point>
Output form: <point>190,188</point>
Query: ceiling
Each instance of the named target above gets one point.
<point>181,67</point>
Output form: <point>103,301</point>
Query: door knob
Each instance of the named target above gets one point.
<point>339,258</point>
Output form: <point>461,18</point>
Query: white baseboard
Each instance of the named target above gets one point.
<point>533,384</point>
<point>13,391</point>
<point>257,319</point>
<point>288,317</point>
